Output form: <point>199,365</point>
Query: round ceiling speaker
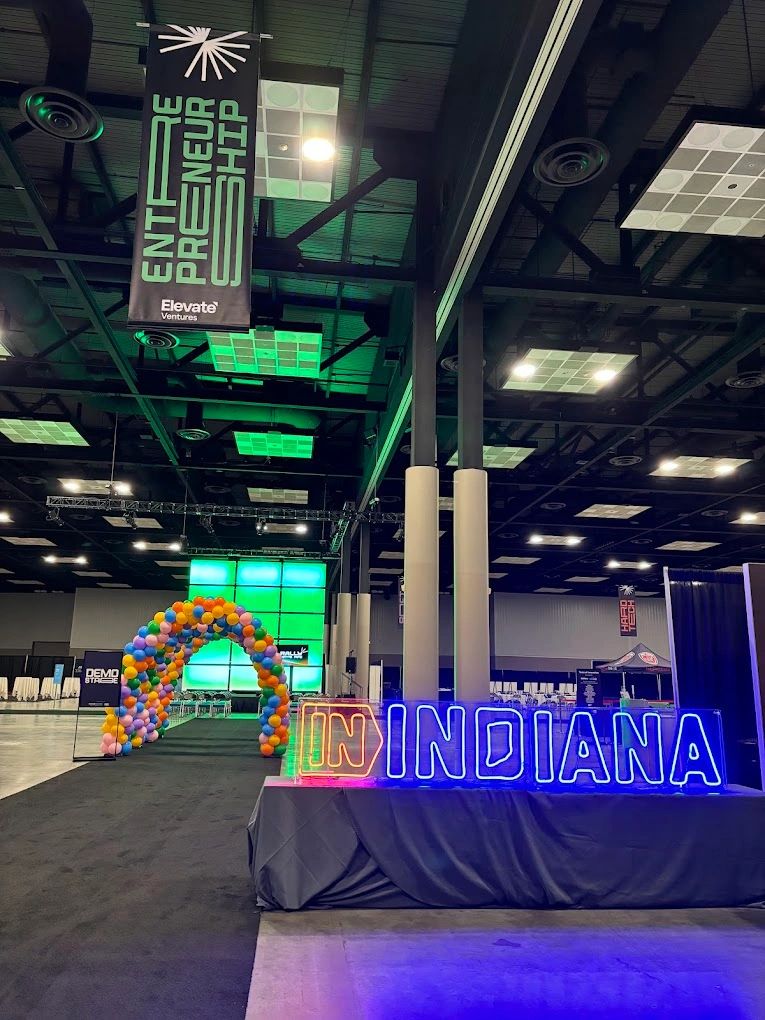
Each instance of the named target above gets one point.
<point>193,435</point>
<point>193,429</point>
<point>450,364</point>
<point>625,460</point>
<point>746,381</point>
<point>31,480</point>
<point>61,113</point>
<point>570,162</point>
<point>552,506</point>
<point>159,339</point>
<point>714,513</point>
<point>217,490</point>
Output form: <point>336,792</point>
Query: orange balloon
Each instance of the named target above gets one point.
<point>177,607</point>
<point>268,640</point>
<point>164,701</point>
<point>199,600</point>
<point>229,607</point>
<point>266,749</point>
<point>281,731</point>
<point>130,702</point>
<point>208,604</point>
<point>219,600</point>
<point>248,631</point>
<point>283,710</point>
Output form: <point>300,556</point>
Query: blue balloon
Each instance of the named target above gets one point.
<point>129,647</point>
<point>258,657</point>
<point>170,615</point>
<point>143,676</point>
<point>267,663</point>
<point>122,710</point>
<point>143,631</point>
<point>198,611</point>
<point>139,655</point>
<point>274,701</point>
<point>256,623</point>
<point>268,729</point>
<point>237,628</point>
<point>127,747</point>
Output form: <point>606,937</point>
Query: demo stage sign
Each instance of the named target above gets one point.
<point>294,655</point>
<point>193,245</point>
<point>101,681</point>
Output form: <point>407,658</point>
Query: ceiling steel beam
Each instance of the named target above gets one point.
<point>674,45</point>
<point>343,204</point>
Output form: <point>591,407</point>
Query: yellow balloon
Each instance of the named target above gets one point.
<point>122,738</point>
<point>136,741</point>
<point>130,673</point>
<point>274,740</point>
<point>128,660</point>
<point>228,607</point>
<point>274,720</point>
<point>159,617</point>
<point>281,690</point>
<point>207,618</point>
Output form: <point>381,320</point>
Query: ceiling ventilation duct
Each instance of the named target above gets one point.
<point>193,429</point>
<point>158,339</point>
<point>58,107</point>
<point>570,162</point>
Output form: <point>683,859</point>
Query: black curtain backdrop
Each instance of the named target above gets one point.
<point>712,661</point>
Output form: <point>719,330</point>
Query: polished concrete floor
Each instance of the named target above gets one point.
<point>37,740</point>
<point>36,744</point>
<point>595,965</point>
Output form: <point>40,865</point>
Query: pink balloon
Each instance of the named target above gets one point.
<point>248,642</point>
<point>277,658</point>
<point>245,619</point>
<point>202,628</point>
<point>151,640</point>
<point>152,736</point>
<point>165,627</point>
<point>262,738</point>
<point>126,720</point>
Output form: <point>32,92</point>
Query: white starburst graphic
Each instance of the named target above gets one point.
<point>209,51</point>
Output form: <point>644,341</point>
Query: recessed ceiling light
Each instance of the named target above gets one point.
<point>139,522</point>
<point>91,573</point>
<point>41,433</point>
<point>581,579</point>
<point>613,511</point>
<point>49,559</point>
<point>629,565</point>
<point>497,574</point>
<point>140,545</point>
<point>710,183</point>
<point>748,517</point>
<point>687,546</point>
<point>552,591</point>
<point>301,529</point>
<point>604,375</point>
<point>644,565</point>
<point>258,494</point>
<point>175,547</point>
<point>5,517</point>
<point>535,540</point>
<point>318,150</point>
<point>559,371</point>
<point>524,370</point>
<point>507,457</point>
<point>567,540</point>
<point>700,467</point>
<point>613,564</point>
<point>391,554</point>
<point>16,540</point>
<point>95,487</point>
<point>519,561</point>
<point>573,540</point>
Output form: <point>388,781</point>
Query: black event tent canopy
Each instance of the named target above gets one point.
<point>640,658</point>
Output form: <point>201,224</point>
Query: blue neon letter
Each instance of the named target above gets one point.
<point>395,762</point>
<point>432,740</point>
<point>498,744</point>
<point>582,754</point>
<point>692,755</point>
<point>631,748</point>
<point>544,769</point>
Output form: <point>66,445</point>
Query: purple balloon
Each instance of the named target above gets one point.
<point>139,642</point>
<point>271,651</point>
<point>125,692</point>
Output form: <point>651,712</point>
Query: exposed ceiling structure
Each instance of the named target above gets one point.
<point>624,373</point>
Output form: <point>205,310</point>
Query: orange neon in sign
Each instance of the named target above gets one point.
<point>341,739</point>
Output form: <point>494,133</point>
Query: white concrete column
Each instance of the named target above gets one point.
<point>471,586</point>
<point>363,614</point>
<point>344,607</point>
<point>421,584</point>
<point>329,684</point>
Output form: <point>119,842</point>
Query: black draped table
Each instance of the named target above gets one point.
<point>345,846</point>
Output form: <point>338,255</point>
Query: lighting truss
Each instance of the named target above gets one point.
<point>712,182</point>
<point>274,444</point>
<point>293,351</point>
<point>41,433</point>
<point>237,552</point>
<point>558,371</point>
<point>290,114</point>
<point>271,513</point>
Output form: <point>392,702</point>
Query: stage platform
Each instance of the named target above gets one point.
<point>332,845</point>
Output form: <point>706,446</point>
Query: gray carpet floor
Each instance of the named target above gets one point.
<point>124,888</point>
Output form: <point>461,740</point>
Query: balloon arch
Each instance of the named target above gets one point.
<point>153,663</point>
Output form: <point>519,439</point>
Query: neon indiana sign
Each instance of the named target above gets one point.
<point>498,746</point>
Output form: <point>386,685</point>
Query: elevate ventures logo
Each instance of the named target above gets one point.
<point>102,676</point>
<point>186,311</point>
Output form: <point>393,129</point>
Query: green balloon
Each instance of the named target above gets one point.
<point>260,633</point>
<point>134,683</point>
<point>153,628</point>
<point>277,670</point>
<point>280,749</point>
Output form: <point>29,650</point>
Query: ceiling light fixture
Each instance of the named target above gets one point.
<point>50,559</point>
<point>573,540</point>
<point>139,545</point>
<point>524,370</point>
<point>535,540</point>
<point>605,375</point>
<point>301,529</point>
<point>644,565</point>
<point>747,517</point>
<point>725,468</point>
<point>668,465</point>
<point>613,564</point>
<point>5,517</point>
<point>318,150</point>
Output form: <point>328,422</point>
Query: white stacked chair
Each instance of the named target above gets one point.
<point>3,688</point>
<point>26,688</point>
<point>47,690</point>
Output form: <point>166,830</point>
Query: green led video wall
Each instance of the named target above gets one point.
<point>287,595</point>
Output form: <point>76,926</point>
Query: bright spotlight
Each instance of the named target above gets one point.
<point>318,150</point>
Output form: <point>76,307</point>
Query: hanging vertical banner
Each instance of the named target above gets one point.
<point>627,611</point>
<point>193,244</point>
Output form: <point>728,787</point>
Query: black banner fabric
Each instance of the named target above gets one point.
<point>101,681</point>
<point>193,246</point>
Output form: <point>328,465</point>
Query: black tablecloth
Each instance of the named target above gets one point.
<point>313,846</point>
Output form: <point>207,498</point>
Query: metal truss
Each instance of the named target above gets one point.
<point>272,513</point>
<point>239,552</point>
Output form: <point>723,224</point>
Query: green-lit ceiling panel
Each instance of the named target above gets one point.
<point>304,575</point>
<point>274,444</point>
<point>41,433</point>
<point>273,352</point>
